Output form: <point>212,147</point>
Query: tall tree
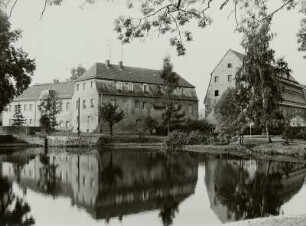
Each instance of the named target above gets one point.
<point>172,115</point>
<point>15,65</point>
<point>231,114</point>
<point>49,107</point>
<point>77,72</point>
<point>18,119</point>
<point>261,71</point>
<point>111,114</point>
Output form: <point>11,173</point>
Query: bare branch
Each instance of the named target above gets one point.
<point>11,11</point>
<point>44,9</point>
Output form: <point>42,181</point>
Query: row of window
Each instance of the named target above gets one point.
<point>23,107</point>
<point>84,104</point>
<point>84,85</point>
<point>229,78</point>
<point>29,107</point>
<point>119,86</point>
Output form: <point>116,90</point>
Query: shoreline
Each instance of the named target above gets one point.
<point>283,220</point>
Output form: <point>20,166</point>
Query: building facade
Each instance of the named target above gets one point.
<point>222,77</point>
<point>134,90</point>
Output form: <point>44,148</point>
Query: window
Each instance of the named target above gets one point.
<point>91,85</point>
<point>25,107</point>
<point>229,78</point>
<point>84,84</point>
<point>84,104</point>
<point>92,103</point>
<point>145,88</point>
<point>67,124</point>
<point>30,107</point>
<point>30,121</point>
<point>229,65</point>
<point>67,106</point>
<point>190,109</point>
<point>182,91</point>
<point>144,104</point>
<point>119,85</point>
<point>136,104</point>
<point>216,78</point>
<point>130,86</point>
<point>84,180</point>
<point>77,87</point>
<point>216,93</point>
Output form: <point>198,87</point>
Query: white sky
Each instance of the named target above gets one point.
<point>68,35</point>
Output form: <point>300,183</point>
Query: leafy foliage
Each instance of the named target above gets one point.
<point>18,118</point>
<point>151,124</point>
<point>260,74</point>
<point>171,17</point>
<point>172,115</point>
<point>49,107</point>
<point>231,113</point>
<point>111,114</point>
<point>77,72</point>
<point>16,66</point>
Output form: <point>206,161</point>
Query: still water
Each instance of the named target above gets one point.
<point>144,188</point>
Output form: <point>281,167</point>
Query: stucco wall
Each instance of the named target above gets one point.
<point>222,71</point>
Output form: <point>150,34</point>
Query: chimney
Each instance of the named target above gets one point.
<point>55,80</point>
<point>107,63</point>
<point>120,65</point>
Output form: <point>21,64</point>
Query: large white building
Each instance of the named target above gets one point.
<point>222,77</point>
<point>135,90</point>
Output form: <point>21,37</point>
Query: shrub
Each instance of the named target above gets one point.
<point>196,137</point>
<point>175,139</point>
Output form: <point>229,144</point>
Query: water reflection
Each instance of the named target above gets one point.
<point>13,209</point>
<point>244,189</point>
<point>112,184</point>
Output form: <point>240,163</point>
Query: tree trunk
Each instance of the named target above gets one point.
<point>264,105</point>
<point>111,129</point>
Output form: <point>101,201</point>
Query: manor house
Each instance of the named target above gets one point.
<point>222,77</point>
<point>134,90</point>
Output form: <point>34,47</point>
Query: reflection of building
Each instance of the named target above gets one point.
<point>245,189</point>
<point>135,90</point>
<point>293,106</point>
<point>114,184</point>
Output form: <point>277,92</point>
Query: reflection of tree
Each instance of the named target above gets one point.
<point>48,181</point>
<point>111,173</point>
<point>246,197</point>
<point>167,213</point>
<point>13,210</point>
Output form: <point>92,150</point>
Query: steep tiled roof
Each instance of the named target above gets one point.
<point>127,74</point>
<point>239,55</point>
<point>63,90</point>
<point>153,93</point>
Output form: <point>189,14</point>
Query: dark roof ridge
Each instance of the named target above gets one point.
<point>51,83</point>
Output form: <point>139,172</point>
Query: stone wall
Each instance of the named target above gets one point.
<point>72,141</point>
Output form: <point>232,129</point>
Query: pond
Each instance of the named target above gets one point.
<point>144,188</point>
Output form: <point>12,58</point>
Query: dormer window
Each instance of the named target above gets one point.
<point>119,85</point>
<point>145,88</point>
<point>131,86</point>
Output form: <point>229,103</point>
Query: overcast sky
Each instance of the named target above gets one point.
<point>68,35</point>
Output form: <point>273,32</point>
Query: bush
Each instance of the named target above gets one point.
<point>175,139</point>
<point>291,133</point>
